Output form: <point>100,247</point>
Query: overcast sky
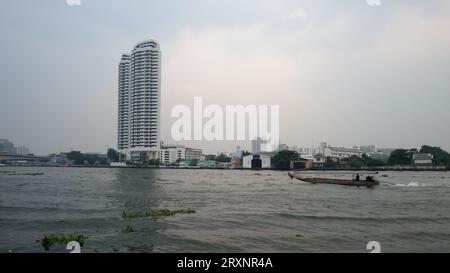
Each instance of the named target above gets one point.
<point>342,71</point>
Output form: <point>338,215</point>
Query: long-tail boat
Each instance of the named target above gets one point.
<point>369,180</point>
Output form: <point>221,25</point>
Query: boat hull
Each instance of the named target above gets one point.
<point>354,183</point>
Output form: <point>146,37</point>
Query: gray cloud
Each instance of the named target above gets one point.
<point>342,72</point>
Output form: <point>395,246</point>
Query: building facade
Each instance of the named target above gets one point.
<point>425,160</point>
<point>304,151</point>
<point>194,154</point>
<point>256,162</point>
<point>341,153</point>
<point>7,147</point>
<point>172,154</point>
<point>139,102</point>
<point>368,149</point>
<point>302,164</point>
<point>319,161</point>
<point>236,158</point>
<point>123,118</point>
<point>22,150</point>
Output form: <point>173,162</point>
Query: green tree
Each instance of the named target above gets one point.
<point>400,157</point>
<point>223,158</point>
<point>373,162</point>
<point>282,159</point>
<point>331,163</point>
<point>77,157</point>
<point>210,157</point>
<point>441,157</point>
<point>112,155</point>
<point>356,162</point>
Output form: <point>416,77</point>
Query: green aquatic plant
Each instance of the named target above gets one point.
<point>11,173</point>
<point>128,229</point>
<point>155,213</point>
<point>8,172</point>
<point>61,239</point>
<point>30,174</point>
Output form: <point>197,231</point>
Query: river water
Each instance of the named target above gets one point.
<point>236,211</point>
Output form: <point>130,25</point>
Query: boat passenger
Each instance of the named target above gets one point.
<point>357,177</point>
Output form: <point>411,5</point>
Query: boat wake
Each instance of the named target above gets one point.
<point>411,184</point>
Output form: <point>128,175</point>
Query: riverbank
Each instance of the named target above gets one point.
<point>371,169</point>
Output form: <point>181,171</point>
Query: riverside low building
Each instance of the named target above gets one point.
<point>423,160</point>
<point>172,154</point>
<point>194,154</point>
<point>257,161</point>
<point>302,164</point>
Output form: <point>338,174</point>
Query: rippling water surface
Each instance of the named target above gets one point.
<point>236,211</point>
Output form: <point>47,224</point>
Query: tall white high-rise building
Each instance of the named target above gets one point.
<point>139,102</point>
<point>123,122</point>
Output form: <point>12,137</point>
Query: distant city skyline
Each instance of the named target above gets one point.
<point>9,147</point>
<point>255,148</point>
<point>341,71</point>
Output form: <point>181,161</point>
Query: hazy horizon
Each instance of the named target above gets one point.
<point>342,72</point>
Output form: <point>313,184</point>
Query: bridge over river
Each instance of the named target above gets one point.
<point>8,157</point>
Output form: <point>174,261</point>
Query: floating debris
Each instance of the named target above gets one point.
<point>155,213</point>
<point>49,240</point>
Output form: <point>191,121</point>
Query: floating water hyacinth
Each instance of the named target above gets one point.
<point>155,213</point>
<point>7,172</point>
<point>61,239</point>
<point>11,173</point>
<point>128,229</point>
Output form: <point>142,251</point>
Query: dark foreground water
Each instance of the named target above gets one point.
<point>236,211</point>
